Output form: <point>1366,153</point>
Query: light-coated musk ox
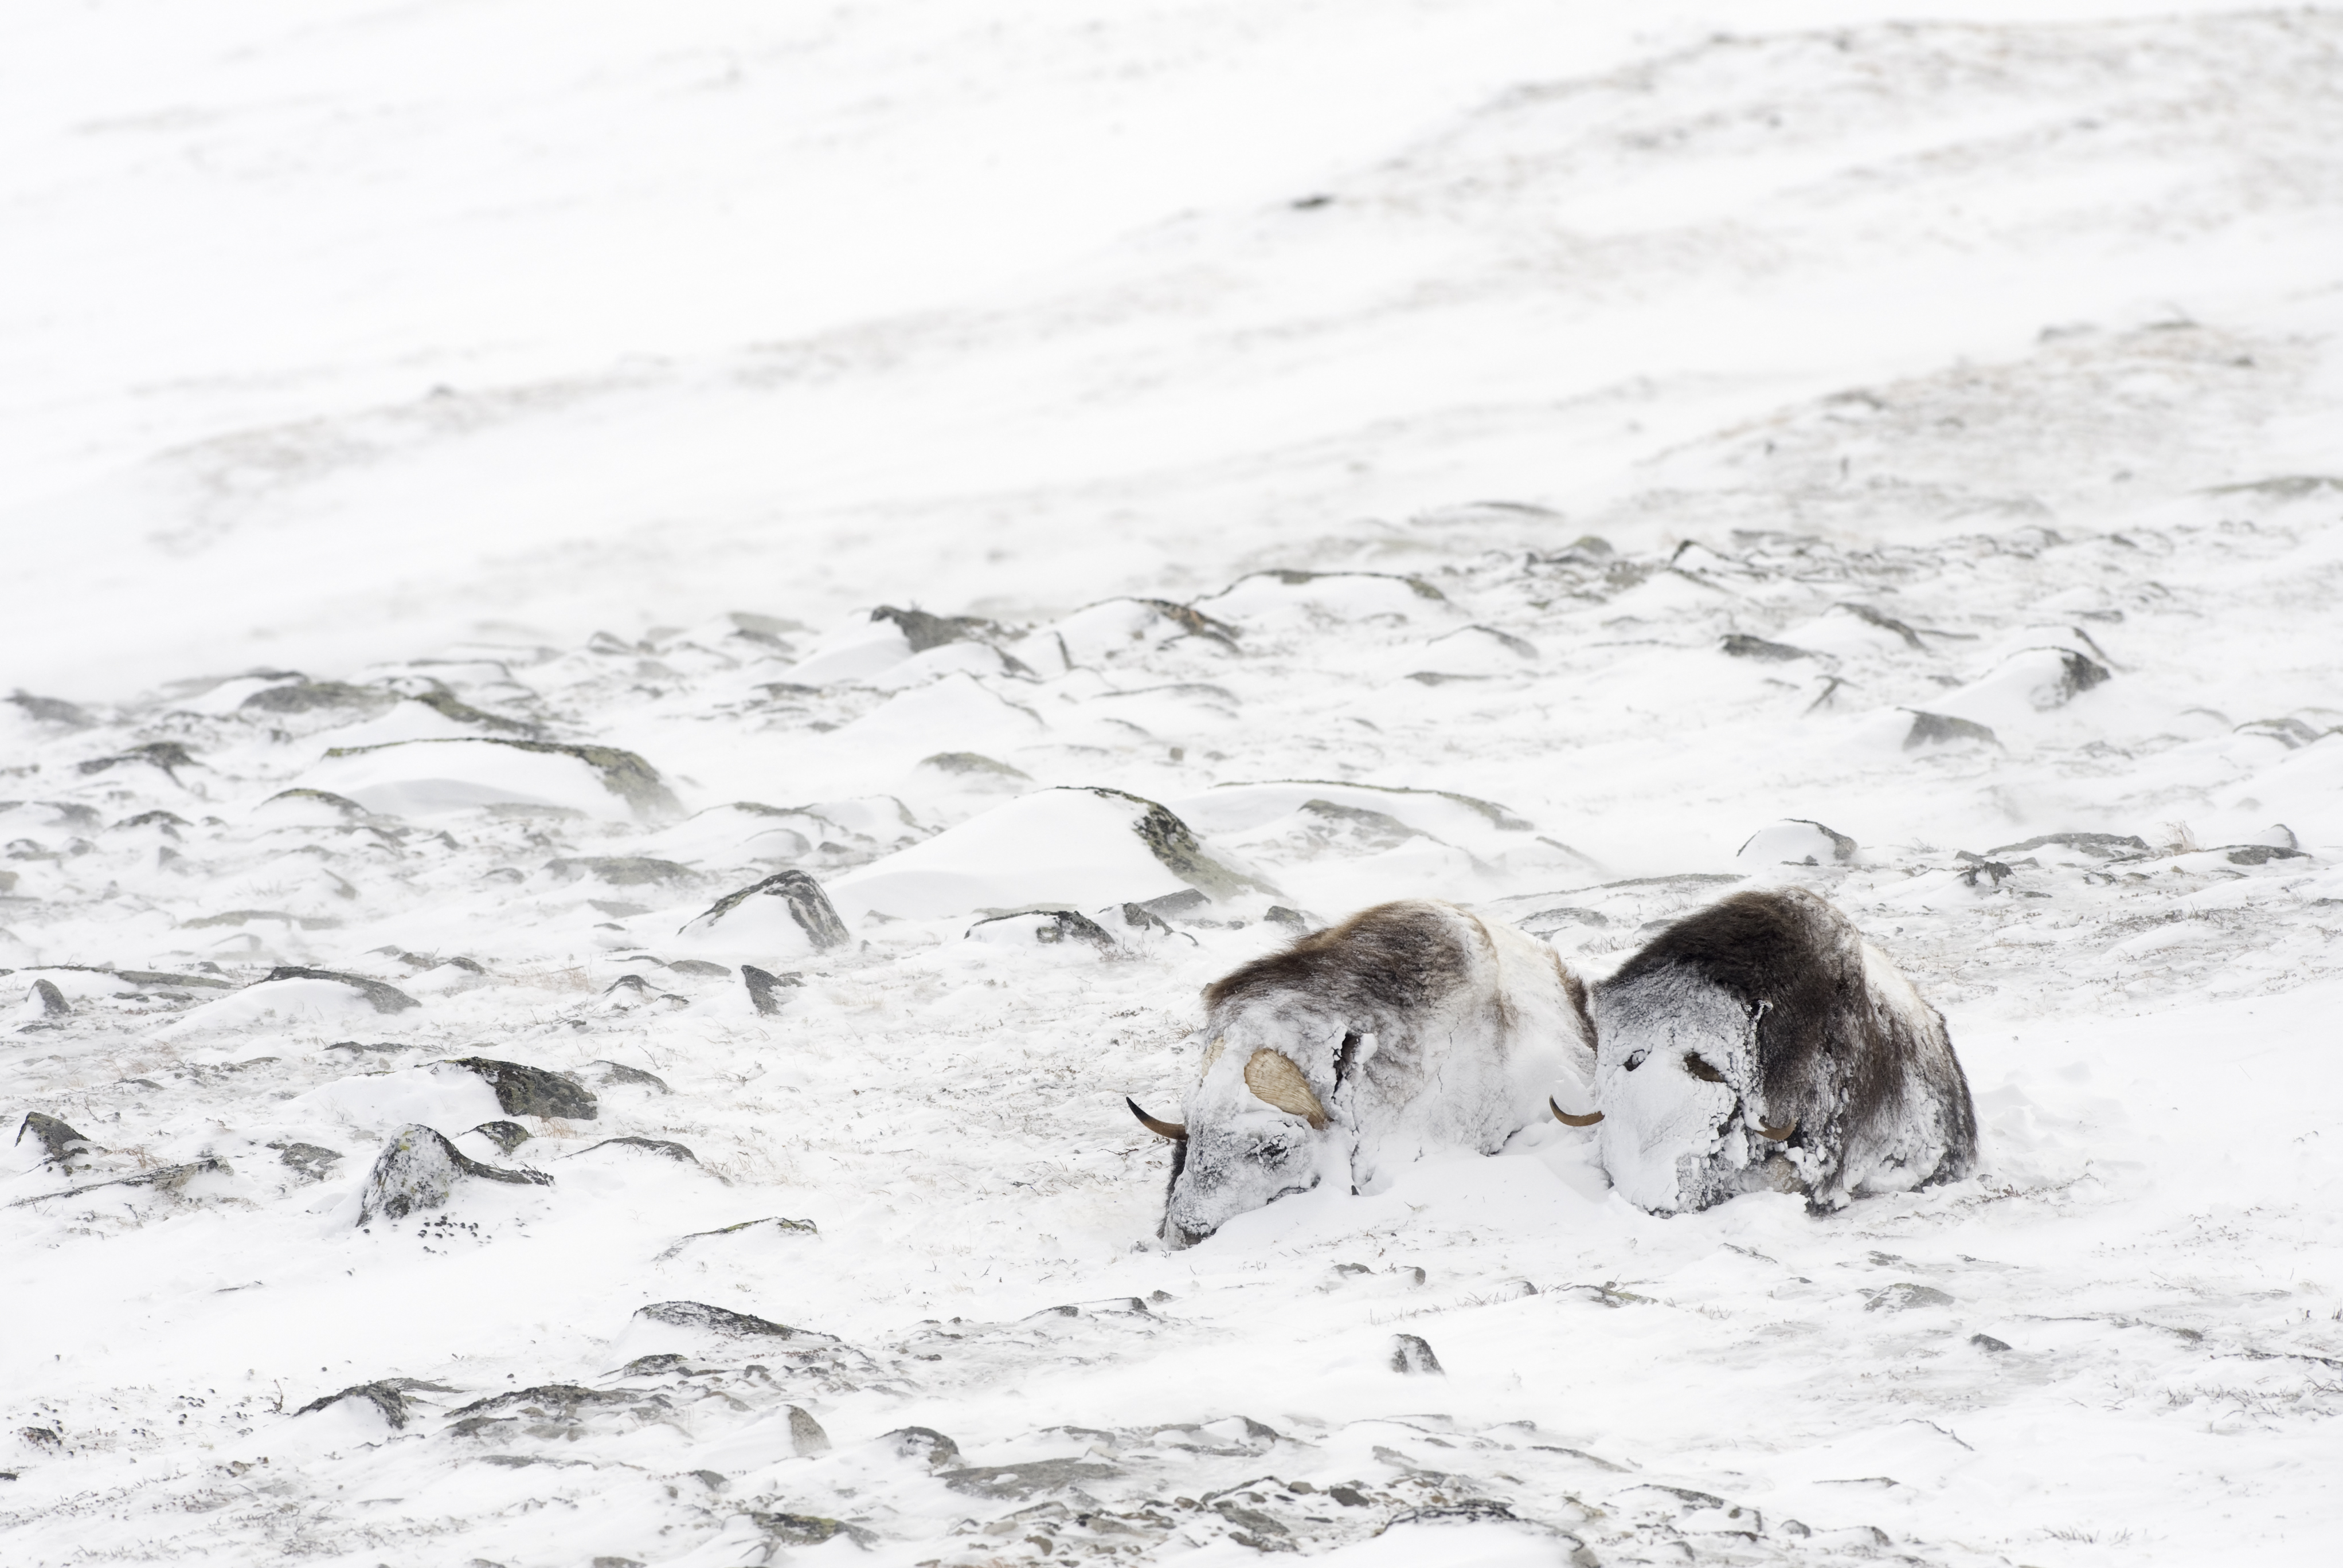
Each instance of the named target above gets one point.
<point>1762,1044</point>
<point>1410,1028</point>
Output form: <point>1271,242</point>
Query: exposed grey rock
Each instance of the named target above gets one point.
<point>1171,906</point>
<point>2285,488</point>
<point>327,798</point>
<point>1293,921</point>
<point>609,1073</point>
<point>719,1320</point>
<point>1170,840</point>
<point>245,917</point>
<point>2078,673</point>
<point>809,906</point>
<point>53,1000</point>
<point>58,1141</point>
<point>1938,728</point>
<point>623,871</point>
<point>972,763</point>
<point>558,1399</point>
<point>531,1090</point>
<point>659,1146</point>
<point>2262,854</point>
<point>2289,732</point>
<point>806,1434</point>
<point>924,631</point>
<point>168,755</point>
<point>385,1401</point>
<point>623,773</point>
<point>507,1136</point>
<point>1022,1481</point>
<point>1052,926</point>
<point>2107,846</point>
<point>1412,1356</point>
<point>1884,622</point>
<point>160,978</point>
<point>809,1529</point>
<point>306,696</point>
<point>699,967</point>
<point>780,1227</point>
<point>52,709</point>
<point>385,998</point>
<point>418,1169</point>
<point>924,1444</point>
<point>765,989</point>
<point>309,1160</point>
<point>1988,1344</point>
<point>448,705</point>
<point>1902,1296</point>
<point>633,991</point>
<point>1741,645</point>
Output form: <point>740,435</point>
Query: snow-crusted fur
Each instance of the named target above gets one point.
<point>1417,1026</point>
<point>1763,1011</point>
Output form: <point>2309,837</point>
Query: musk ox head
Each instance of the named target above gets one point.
<point>1256,1132</point>
<point>1678,1074</point>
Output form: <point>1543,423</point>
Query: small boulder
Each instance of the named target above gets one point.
<point>419,1169</point>
<point>507,1136</point>
<point>1412,1356</point>
<point>659,1146</point>
<point>59,1141</point>
<point>788,912</point>
<point>309,1160</point>
<point>49,999</point>
<point>384,998</point>
<point>531,1090</point>
<point>925,1444</point>
<point>607,1073</point>
<point>1741,645</point>
<point>765,989</point>
<point>1797,841</point>
<point>1046,927</point>
<point>1904,1295</point>
<point>380,1397</point>
<point>1943,728</point>
<point>719,1321</point>
<point>806,1434</point>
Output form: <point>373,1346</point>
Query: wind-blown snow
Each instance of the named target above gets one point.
<point>1574,469</point>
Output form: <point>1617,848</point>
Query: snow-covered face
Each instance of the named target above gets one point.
<point>1672,1064</point>
<point>1244,1150</point>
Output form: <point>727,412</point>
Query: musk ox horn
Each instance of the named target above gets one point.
<point>1273,1076</point>
<point>1782,1136</point>
<point>1171,1130</point>
<point>1567,1119</point>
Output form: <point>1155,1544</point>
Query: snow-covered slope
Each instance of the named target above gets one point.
<point>1893,458</point>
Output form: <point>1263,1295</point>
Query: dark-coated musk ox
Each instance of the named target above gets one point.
<point>1410,1028</point>
<point>1762,1044</point>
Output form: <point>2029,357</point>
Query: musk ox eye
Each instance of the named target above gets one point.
<point>1635,1060</point>
<point>1701,1069</point>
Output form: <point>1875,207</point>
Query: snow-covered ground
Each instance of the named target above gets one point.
<point>1546,461</point>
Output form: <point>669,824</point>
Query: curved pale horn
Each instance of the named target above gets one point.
<point>1567,1119</point>
<point>1273,1077</point>
<point>1171,1130</point>
<point>1781,1136</point>
<point>1212,1055</point>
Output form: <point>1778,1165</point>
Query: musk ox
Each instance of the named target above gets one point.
<point>1762,1044</point>
<point>1409,1029</point>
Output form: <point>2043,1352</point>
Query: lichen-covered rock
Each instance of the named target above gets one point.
<point>659,1146</point>
<point>523,1091</point>
<point>924,1444</point>
<point>418,1169</point>
<point>507,1136</point>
